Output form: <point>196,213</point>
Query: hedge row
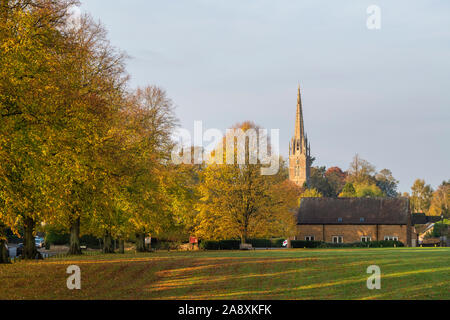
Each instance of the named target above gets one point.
<point>235,244</point>
<point>320,244</point>
<point>220,245</point>
<point>278,243</point>
<point>55,238</point>
<point>266,243</point>
<point>306,244</point>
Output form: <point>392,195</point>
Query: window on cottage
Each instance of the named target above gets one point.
<point>309,238</point>
<point>339,219</point>
<point>391,238</point>
<point>366,239</point>
<point>338,239</point>
<point>362,219</point>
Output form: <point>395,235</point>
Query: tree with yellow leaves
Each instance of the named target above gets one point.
<point>440,202</point>
<point>31,47</point>
<point>235,196</point>
<point>421,196</point>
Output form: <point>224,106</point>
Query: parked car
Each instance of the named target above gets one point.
<point>39,242</point>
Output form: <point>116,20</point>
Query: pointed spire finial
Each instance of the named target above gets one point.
<point>299,126</point>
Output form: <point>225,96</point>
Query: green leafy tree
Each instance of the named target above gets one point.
<point>387,183</point>
<point>368,191</point>
<point>319,181</point>
<point>336,179</point>
<point>348,191</point>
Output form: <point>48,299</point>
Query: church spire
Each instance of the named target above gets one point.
<point>299,126</point>
<point>299,149</point>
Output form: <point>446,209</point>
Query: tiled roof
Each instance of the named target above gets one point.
<point>363,211</point>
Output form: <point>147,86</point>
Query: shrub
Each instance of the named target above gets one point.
<point>61,238</point>
<point>320,244</point>
<point>57,238</point>
<point>277,243</point>
<point>305,244</point>
<point>260,243</point>
<point>209,245</point>
<point>229,244</point>
<point>440,229</point>
<point>385,244</point>
<point>90,242</point>
<point>266,243</point>
<point>220,245</point>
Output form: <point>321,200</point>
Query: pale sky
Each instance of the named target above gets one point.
<point>384,94</point>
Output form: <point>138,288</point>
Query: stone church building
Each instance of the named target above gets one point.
<point>343,220</point>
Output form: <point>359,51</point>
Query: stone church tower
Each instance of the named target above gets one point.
<point>299,150</point>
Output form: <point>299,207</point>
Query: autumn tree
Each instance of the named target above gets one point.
<point>151,190</point>
<point>309,193</point>
<point>440,202</point>
<point>279,219</point>
<point>367,182</point>
<point>32,46</point>
<point>234,196</point>
<point>360,171</point>
<point>421,195</point>
<point>182,183</point>
<point>92,80</point>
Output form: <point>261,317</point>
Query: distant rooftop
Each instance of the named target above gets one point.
<point>422,218</point>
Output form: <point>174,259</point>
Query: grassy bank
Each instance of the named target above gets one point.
<point>407,273</point>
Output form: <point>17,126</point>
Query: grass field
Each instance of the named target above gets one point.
<point>407,273</point>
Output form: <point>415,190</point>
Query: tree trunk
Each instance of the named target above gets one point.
<point>108,243</point>
<point>121,246</point>
<point>29,245</point>
<point>140,242</point>
<point>75,238</point>
<point>4,254</point>
<point>244,236</point>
